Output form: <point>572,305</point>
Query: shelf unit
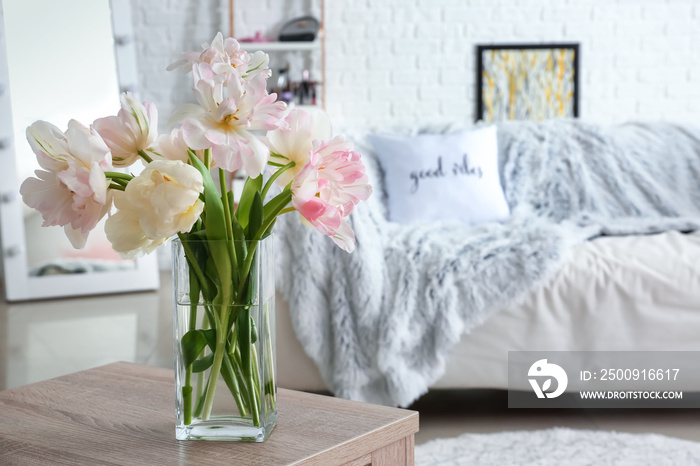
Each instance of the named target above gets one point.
<point>280,46</point>
<point>318,44</point>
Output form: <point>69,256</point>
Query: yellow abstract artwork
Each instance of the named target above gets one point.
<point>527,82</point>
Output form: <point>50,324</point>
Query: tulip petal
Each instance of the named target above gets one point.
<point>193,130</point>
<point>184,112</point>
<point>344,237</point>
<point>255,163</point>
<point>45,138</point>
<point>48,196</point>
<point>77,238</point>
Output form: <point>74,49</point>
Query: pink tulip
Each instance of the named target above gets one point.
<point>295,143</point>
<point>225,117</point>
<point>225,56</point>
<point>71,190</point>
<point>134,129</point>
<point>328,187</point>
<point>342,167</point>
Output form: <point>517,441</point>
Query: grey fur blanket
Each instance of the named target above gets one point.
<point>380,322</point>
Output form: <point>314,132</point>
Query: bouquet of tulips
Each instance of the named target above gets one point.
<point>319,176</point>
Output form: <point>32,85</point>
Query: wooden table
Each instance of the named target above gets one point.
<point>124,413</point>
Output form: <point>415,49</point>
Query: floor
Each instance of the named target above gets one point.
<point>44,339</point>
<point>452,413</point>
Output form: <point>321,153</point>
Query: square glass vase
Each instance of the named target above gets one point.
<point>225,364</point>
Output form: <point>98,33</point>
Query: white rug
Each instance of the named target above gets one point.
<point>559,447</point>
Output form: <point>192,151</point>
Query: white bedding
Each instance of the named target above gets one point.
<point>613,293</point>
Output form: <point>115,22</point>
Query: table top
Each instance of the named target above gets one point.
<point>124,413</point>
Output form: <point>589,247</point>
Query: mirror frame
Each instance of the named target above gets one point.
<point>19,285</point>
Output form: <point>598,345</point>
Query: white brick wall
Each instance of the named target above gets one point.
<point>408,60</point>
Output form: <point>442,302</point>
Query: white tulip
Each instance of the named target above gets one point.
<point>162,201</point>
<point>71,190</point>
<point>130,132</point>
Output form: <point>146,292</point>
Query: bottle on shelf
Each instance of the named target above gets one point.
<point>284,85</point>
<point>298,92</point>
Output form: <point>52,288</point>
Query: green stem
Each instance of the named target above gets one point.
<point>234,360</point>
<point>221,333</point>
<point>270,369</point>
<point>187,389</point>
<point>231,380</point>
<point>207,158</point>
<point>255,385</point>
<point>200,398</point>
<point>229,226</point>
<point>118,187</point>
<point>119,175</point>
<point>274,176</point>
<point>248,364</point>
<point>145,156</point>
<point>120,181</point>
<point>200,389</point>
<point>244,381</point>
<point>287,210</point>
<point>219,351</point>
<point>200,377</point>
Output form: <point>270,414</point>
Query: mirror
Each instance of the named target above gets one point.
<point>60,61</point>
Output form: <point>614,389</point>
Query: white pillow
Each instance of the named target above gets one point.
<point>442,177</point>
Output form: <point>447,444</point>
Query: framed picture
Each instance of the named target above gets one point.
<point>527,82</point>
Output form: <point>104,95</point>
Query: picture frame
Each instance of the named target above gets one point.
<point>527,81</point>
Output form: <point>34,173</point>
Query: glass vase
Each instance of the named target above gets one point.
<point>224,347</point>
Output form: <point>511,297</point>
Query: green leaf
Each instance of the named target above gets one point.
<point>200,235</point>
<point>239,241</point>
<point>252,186</point>
<point>197,244</point>
<point>214,208</point>
<point>200,365</point>
<point>268,232</point>
<point>204,261</point>
<point>192,343</point>
<point>210,337</point>
<point>253,331</point>
<point>212,274</point>
<point>256,216</point>
<point>196,253</point>
<point>215,224</point>
<point>231,207</point>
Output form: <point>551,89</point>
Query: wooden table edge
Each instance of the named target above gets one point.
<point>367,443</point>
